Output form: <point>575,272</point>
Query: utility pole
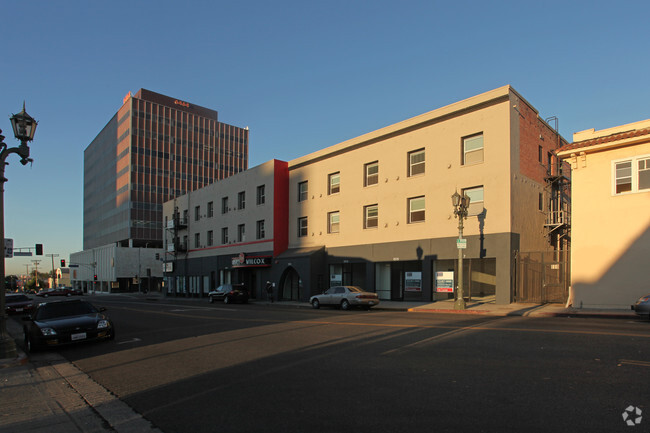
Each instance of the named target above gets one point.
<point>53,273</point>
<point>36,262</point>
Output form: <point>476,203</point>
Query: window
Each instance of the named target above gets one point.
<point>302,227</point>
<point>224,235</point>
<point>334,183</point>
<point>210,238</point>
<point>370,216</point>
<point>416,209</point>
<point>185,218</point>
<point>473,149</point>
<point>540,152</point>
<point>333,220</point>
<point>475,195</point>
<point>241,233</point>
<point>416,162</point>
<point>224,205</point>
<point>241,200</point>
<point>371,174</point>
<point>540,202</point>
<point>261,195</point>
<point>197,213</point>
<point>302,191</point>
<point>632,175</point>
<point>260,230</point>
<point>210,209</point>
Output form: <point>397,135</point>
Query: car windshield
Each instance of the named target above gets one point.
<point>17,298</point>
<point>64,309</point>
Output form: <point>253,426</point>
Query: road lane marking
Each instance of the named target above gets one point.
<point>633,362</point>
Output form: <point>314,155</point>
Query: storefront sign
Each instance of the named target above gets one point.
<point>336,280</point>
<point>241,261</point>
<point>413,282</point>
<point>168,267</point>
<point>445,282</point>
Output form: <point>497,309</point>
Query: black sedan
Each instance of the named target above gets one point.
<point>229,293</point>
<point>64,322</point>
<point>17,303</point>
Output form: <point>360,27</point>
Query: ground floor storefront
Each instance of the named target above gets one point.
<point>423,270</point>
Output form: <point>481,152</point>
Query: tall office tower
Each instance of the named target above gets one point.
<point>155,148</point>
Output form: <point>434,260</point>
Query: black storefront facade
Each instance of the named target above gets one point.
<point>416,270</point>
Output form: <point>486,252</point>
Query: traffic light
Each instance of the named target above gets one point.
<point>63,263</point>
<point>39,249</point>
<point>95,278</point>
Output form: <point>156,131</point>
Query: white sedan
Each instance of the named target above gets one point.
<point>345,297</point>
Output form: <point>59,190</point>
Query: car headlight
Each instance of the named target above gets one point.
<point>103,324</point>
<point>48,331</point>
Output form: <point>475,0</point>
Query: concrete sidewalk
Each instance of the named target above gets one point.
<point>46,393</point>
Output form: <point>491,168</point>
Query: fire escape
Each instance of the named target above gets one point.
<point>557,190</point>
<point>175,245</point>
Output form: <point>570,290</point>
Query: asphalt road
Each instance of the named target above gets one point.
<point>196,367</point>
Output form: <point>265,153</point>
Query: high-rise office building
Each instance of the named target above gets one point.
<point>153,149</point>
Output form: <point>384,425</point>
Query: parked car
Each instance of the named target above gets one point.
<point>642,306</point>
<point>345,297</point>
<point>64,322</point>
<point>58,291</point>
<point>229,293</point>
<point>18,303</point>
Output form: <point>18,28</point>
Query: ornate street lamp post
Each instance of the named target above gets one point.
<point>24,127</point>
<point>461,203</point>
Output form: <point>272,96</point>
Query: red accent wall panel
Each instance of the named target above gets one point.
<point>280,207</point>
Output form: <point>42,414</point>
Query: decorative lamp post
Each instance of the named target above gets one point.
<point>24,127</point>
<point>461,204</point>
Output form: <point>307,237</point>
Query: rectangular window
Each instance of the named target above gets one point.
<point>473,149</point>
<point>540,202</point>
<point>334,183</point>
<point>416,209</point>
<point>241,233</point>
<point>261,195</point>
<point>224,235</point>
<point>302,191</point>
<point>302,227</point>
<point>371,174</point>
<point>210,238</point>
<point>540,152</point>
<point>185,217</point>
<point>197,240</point>
<point>197,213</point>
<point>416,162</point>
<point>333,222</point>
<point>632,175</point>
<point>224,205</point>
<point>241,200</point>
<point>210,209</point>
<point>260,230</point>
<point>370,216</point>
<point>475,195</point>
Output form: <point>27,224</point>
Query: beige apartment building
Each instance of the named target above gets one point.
<point>610,215</point>
<point>376,211</point>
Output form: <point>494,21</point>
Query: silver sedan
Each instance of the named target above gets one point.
<point>642,306</point>
<point>345,297</point>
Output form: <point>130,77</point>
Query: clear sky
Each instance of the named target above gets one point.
<point>302,75</point>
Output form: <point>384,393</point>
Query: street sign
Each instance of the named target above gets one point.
<point>9,247</point>
<point>22,253</point>
<point>461,244</point>
<point>72,265</point>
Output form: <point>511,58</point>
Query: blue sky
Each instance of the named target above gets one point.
<point>301,75</point>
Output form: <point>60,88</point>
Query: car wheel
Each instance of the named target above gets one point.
<point>226,299</point>
<point>30,347</point>
<point>211,300</point>
<point>315,303</point>
<point>345,304</point>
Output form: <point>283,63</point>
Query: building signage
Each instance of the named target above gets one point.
<point>241,261</point>
<point>445,282</point>
<point>413,282</point>
<point>336,280</point>
<point>182,103</point>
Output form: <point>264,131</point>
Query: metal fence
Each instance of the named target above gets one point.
<point>542,276</point>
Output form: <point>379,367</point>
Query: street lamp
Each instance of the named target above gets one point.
<point>24,127</point>
<point>461,203</point>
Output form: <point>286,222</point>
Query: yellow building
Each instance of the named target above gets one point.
<point>610,200</point>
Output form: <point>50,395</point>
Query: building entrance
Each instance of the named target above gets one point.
<point>289,285</point>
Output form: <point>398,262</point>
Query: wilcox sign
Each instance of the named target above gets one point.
<point>241,261</point>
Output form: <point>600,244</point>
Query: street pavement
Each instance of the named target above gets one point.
<point>46,393</point>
